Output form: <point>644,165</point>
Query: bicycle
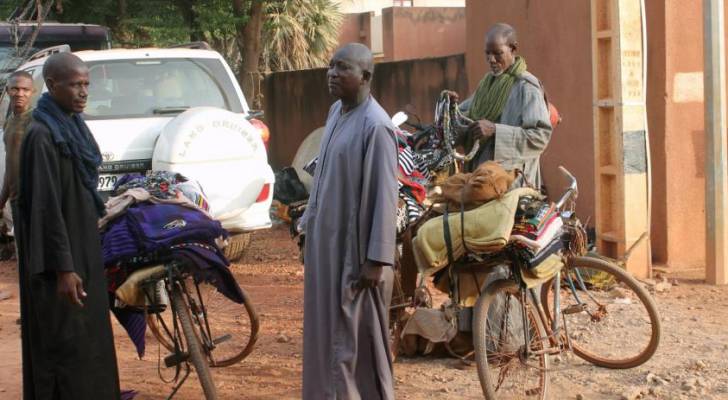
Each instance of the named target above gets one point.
<point>600,296</point>
<point>198,313</point>
<point>516,330</point>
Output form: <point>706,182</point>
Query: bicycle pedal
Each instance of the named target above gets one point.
<point>221,339</point>
<point>574,309</point>
<point>175,359</point>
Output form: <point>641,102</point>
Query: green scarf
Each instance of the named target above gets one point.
<point>493,91</point>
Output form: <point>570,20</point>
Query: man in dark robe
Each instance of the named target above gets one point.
<point>68,344</point>
<point>350,230</point>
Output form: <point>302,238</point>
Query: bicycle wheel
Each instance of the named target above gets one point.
<point>194,347</point>
<point>506,370</point>
<point>611,320</point>
<point>233,328</point>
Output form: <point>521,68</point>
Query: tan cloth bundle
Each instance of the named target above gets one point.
<point>488,182</point>
<point>487,229</point>
<point>130,292</point>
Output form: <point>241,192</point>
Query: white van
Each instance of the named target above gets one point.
<point>175,109</point>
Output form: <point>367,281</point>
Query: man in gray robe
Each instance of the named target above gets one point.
<point>350,242</point>
<point>510,113</point>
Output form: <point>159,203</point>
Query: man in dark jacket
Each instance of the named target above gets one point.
<point>68,344</point>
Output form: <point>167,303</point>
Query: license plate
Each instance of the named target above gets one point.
<point>107,182</point>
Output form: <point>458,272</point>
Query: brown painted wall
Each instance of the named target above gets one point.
<point>559,52</point>
<point>357,28</point>
<point>421,32</point>
<point>555,40</point>
<point>297,102</point>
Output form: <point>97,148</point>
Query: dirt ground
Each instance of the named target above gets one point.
<point>690,362</point>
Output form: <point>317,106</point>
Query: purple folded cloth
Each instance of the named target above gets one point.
<point>128,394</point>
<point>148,228</point>
<point>209,265</point>
<point>135,325</point>
<point>159,226</point>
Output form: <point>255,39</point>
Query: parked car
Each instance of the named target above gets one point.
<point>181,110</point>
<point>76,36</point>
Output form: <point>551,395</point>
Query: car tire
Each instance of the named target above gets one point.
<point>238,243</point>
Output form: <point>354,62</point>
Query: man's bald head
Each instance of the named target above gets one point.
<point>66,77</point>
<point>501,46</point>
<point>504,32</point>
<point>350,74</point>
<point>60,66</point>
<point>358,54</point>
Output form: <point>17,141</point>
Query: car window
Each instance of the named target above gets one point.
<point>148,88</point>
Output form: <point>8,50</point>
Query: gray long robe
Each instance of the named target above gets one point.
<point>350,219</point>
<point>522,132</point>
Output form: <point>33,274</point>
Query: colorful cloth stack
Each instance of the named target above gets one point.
<point>537,231</point>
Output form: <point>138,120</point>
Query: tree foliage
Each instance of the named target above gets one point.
<point>255,36</point>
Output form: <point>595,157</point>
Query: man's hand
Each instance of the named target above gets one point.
<point>70,287</point>
<point>454,97</point>
<point>370,275</point>
<point>481,129</point>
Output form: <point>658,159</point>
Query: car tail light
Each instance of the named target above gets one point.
<point>264,193</point>
<point>264,131</point>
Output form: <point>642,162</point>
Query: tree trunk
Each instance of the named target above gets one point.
<point>248,40</point>
<point>190,17</point>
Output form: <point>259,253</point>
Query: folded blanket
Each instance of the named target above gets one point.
<point>487,230</point>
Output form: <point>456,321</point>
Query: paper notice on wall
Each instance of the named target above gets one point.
<point>687,87</point>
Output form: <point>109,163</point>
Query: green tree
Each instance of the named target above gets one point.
<point>255,36</point>
<point>300,34</point>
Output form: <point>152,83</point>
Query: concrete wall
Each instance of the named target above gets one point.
<point>559,52</point>
<point>555,40</point>
<point>357,28</point>
<point>419,32</point>
<point>298,102</point>
<point>677,127</point>
<point>358,6</point>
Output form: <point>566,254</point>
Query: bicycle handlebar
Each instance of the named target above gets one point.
<point>571,191</point>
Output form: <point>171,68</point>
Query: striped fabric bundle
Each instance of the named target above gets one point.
<point>413,178</point>
<point>538,231</point>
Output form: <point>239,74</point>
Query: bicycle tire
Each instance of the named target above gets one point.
<point>236,356</point>
<point>632,284</point>
<point>506,361</point>
<point>194,347</point>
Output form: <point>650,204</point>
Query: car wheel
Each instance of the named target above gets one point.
<point>237,245</point>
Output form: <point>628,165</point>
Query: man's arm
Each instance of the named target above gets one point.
<point>516,143</point>
<point>379,193</point>
<point>40,164</point>
<point>5,192</point>
<point>48,232</point>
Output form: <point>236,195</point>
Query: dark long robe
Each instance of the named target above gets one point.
<point>68,351</point>
<point>351,218</point>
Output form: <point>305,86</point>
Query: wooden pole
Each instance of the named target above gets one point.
<point>716,185</point>
<point>619,133</point>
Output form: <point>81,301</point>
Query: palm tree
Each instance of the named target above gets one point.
<point>299,34</point>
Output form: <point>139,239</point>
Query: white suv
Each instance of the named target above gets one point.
<point>176,109</point>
